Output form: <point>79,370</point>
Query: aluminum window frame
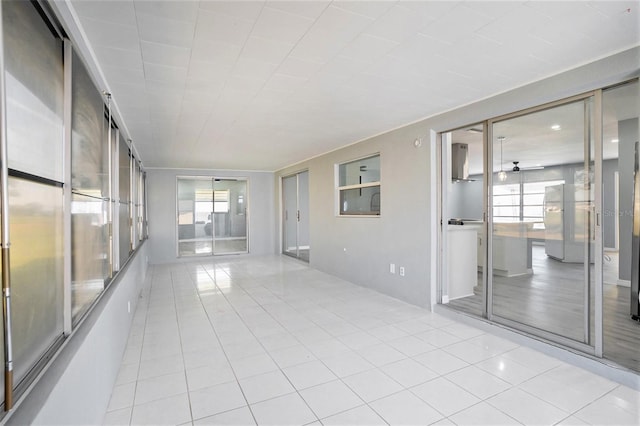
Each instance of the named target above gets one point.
<point>340,189</point>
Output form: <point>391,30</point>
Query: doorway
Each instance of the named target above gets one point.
<point>558,260</point>
<point>464,220</point>
<point>295,216</point>
<point>212,216</point>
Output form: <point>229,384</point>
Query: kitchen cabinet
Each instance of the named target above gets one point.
<point>462,260</point>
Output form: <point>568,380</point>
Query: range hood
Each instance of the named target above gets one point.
<point>460,162</point>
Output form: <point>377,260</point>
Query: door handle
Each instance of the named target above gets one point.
<point>298,215</point>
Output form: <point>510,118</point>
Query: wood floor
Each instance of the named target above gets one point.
<point>552,299</point>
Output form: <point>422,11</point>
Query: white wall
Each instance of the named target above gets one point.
<point>76,387</point>
<point>161,197</point>
<point>360,249</point>
<point>403,233</point>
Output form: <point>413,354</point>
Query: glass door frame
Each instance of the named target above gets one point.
<point>246,213</point>
<point>283,250</point>
<point>212,180</point>
<point>596,137</point>
<point>596,277</point>
<point>444,177</point>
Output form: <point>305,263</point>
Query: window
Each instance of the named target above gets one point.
<point>90,188</point>
<point>34,127</point>
<point>60,190</point>
<point>359,187</point>
<point>124,193</point>
<point>533,199</point>
<point>516,202</point>
<point>506,203</point>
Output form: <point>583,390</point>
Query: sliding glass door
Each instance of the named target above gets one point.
<point>560,190</point>
<point>295,199</point>
<point>212,216</point>
<point>542,207</point>
<point>620,221</point>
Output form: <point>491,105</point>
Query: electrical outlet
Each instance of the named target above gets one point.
<point>402,271</point>
<point>392,268</point>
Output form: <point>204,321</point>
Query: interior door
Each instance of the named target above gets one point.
<point>303,216</point>
<point>290,215</point>
<point>295,220</point>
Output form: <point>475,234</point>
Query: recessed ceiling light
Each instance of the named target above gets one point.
<point>556,127</point>
<point>614,141</point>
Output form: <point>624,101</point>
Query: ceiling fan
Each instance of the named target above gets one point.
<point>517,168</point>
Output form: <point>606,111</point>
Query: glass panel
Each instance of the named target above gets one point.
<point>195,209</point>
<point>360,201</point>
<point>112,213</point>
<point>124,236</point>
<point>134,204</point>
<point>89,155</point>
<point>89,251</point>
<point>124,192</point>
<point>124,175</point>
<point>140,209</point>
<point>290,195</point>
<point>34,90</point>
<point>230,219</point>
<point>360,171</point>
<point>540,268</point>
<point>144,205</point>
<point>621,109</point>
<point>36,270</point>
<point>303,225</point>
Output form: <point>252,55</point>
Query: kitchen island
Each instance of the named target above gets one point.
<point>511,248</point>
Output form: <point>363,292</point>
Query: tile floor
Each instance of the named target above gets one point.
<point>270,341</point>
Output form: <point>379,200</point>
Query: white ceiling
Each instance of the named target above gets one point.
<point>261,85</point>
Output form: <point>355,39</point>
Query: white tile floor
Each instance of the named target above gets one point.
<point>270,341</point>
